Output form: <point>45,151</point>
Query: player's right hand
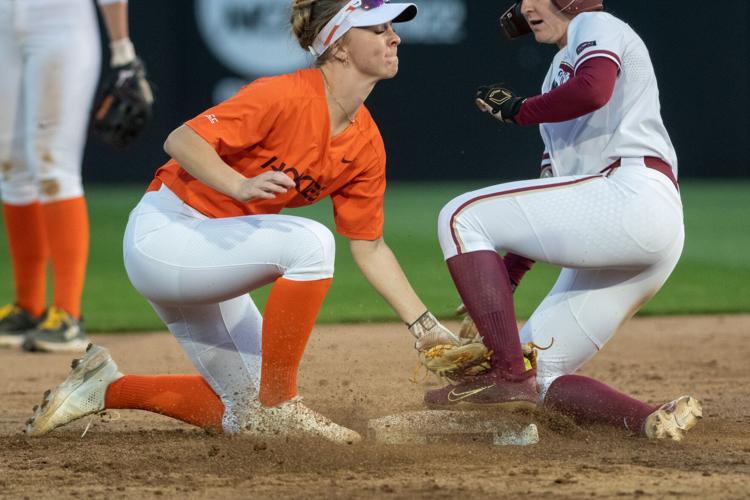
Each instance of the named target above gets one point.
<point>264,186</point>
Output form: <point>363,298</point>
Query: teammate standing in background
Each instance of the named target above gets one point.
<point>50,55</point>
<point>208,232</point>
<point>610,215</point>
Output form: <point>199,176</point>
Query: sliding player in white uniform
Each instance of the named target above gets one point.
<point>607,211</point>
<point>50,59</point>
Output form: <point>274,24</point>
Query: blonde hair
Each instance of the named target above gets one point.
<point>309,17</point>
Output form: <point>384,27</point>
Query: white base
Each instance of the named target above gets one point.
<point>435,426</point>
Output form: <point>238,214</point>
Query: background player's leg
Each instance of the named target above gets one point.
<point>21,210</point>
<point>28,251</point>
<point>62,71</point>
<point>66,225</point>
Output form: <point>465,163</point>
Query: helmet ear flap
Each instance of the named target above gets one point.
<point>513,24</point>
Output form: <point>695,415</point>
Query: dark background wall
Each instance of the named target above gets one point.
<point>426,115</point>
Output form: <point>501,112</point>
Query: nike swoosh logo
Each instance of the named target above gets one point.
<point>454,396</point>
<point>344,160</point>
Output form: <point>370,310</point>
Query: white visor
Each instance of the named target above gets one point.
<point>356,14</point>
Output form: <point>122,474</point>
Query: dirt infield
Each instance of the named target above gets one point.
<point>354,373</point>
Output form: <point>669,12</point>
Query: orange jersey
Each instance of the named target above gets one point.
<point>282,123</point>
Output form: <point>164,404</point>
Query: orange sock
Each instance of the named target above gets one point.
<point>67,225</point>
<point>188,398</point>
<point>28,250</point>
<point>290,314</point>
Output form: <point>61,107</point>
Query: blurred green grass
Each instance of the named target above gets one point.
<point>713,275</point>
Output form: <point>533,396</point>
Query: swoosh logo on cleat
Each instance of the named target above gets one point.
<point>454,396</point>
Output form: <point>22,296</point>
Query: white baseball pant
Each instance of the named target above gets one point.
<point>617,239</point>
<point>197,271</point>
<point>50,57</point>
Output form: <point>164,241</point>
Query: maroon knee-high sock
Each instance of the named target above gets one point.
<point>589,401</point>
<point>482,281</point>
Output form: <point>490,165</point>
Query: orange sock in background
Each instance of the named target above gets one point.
<point>290,314</point>
<point>28,251</point>
<point>188,398</point>
<point>67,227</point>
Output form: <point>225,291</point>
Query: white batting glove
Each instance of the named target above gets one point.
<point>430,333</point>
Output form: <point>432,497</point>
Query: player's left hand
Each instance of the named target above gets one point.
<point>499,101</point>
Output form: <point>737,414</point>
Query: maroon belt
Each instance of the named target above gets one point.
<point>651,162</point>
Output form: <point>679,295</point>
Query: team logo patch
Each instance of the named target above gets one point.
<point>499,96</point>
<point>584,46</point>
<point>564,74</point>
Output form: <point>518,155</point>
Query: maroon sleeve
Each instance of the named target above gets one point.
<point>590,89</point>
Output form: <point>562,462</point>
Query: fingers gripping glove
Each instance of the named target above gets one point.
<point>123,105</point>
<point>498,101</point>
<point>446,354</point>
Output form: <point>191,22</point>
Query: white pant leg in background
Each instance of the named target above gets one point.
<point>196,272</point>
<point>11,117</point>
<point>57,44</point>
<point>617,238</point>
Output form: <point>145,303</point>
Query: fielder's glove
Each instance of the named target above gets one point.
<point>453,357</point>
<point>468,329</point>
<point>498,101</point>
<point>123,106</point>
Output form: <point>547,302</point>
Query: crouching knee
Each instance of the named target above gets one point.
<point>316,254</point>
<point>461,230</point>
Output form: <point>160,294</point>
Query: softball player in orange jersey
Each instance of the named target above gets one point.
<point>207,232</point>
<point>50,55</point>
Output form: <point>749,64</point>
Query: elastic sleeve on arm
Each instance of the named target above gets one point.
<point>109,2</point>
<point>590,89</point>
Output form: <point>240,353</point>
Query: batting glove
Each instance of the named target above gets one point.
<point>498,101</point>
<point>429,332</point>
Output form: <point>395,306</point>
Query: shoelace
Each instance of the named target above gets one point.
<point>55,318</point>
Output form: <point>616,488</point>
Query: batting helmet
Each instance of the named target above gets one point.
<point>573,7</point>
<point>514,25</point>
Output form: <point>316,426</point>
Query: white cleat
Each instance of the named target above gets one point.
<point>81,394</point>
<point>294,419</point>
<point>673,419</point>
